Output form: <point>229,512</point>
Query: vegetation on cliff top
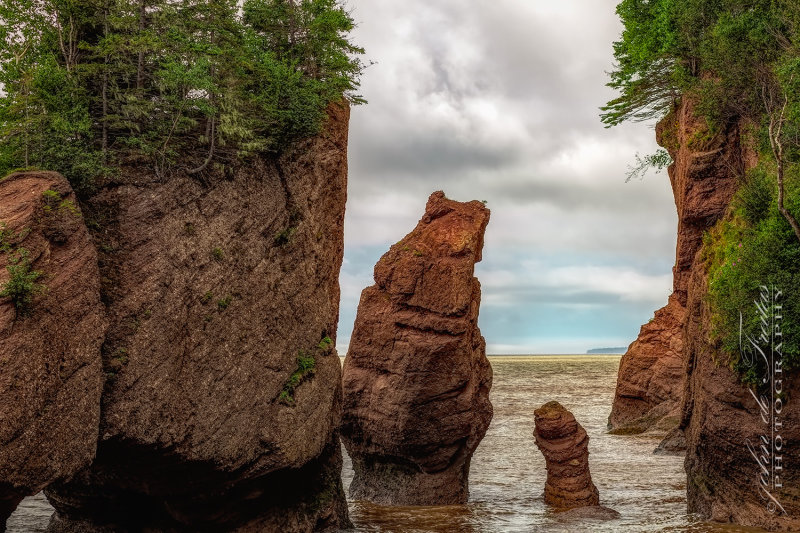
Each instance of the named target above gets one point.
<point>740,61</point>
<point>751,248</point>
<point>92,86</point>
<point>726,52</point>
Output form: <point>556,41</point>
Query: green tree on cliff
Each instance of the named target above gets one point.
<point>739,58</point>
<point>188,85</point>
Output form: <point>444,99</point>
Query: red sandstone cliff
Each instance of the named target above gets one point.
<point>221,395</point>
<point>50,369</point>
<point>704,177</point>
<point>717,415</point>
<point>416,378</point>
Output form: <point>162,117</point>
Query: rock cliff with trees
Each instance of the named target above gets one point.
<point>723,80</point>
<point>206,145</point>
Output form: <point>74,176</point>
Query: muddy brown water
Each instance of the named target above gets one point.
<point>507,475</point>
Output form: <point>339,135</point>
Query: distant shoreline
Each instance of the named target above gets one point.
<point>554,355</point>
<point>587,355</point>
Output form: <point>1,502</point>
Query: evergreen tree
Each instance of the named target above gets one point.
<point>92,87</point>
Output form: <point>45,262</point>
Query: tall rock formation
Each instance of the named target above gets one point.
<point>565,446</point>
<point>221,395</point>
<point>704,177</point>
<point>718,416</point>
<point>416,378</point>
<point>51,330</point>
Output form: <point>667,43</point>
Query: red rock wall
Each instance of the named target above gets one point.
<point>704,177</point>
<point>213,289</point>
<point>50,366</point>
<point>675,367</point>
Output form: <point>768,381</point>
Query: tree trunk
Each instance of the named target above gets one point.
<point>140,64</point>
<point>292,22</point>
<point>105,90</point>
<point>785,212</point>
<point>776,143</point>
<point>210,150</point>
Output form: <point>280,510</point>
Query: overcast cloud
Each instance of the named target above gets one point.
<point>498,101</point>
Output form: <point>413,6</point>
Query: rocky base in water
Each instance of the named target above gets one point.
<point>310,498</point>
<point>565,446</point>
<point>392,483</point>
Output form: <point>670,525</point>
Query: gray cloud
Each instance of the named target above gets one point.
<point>499,102</point>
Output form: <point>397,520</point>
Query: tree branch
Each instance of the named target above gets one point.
<point>210,150</point>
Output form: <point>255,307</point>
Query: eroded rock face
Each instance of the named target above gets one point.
<point>720,416</point>
<point>565,446</point>
<point>416,378</point>
<point>223,391</point>
<point>649,382</point>
<point>704,177</point>
<point>50,367</point>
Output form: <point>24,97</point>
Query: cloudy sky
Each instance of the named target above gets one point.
<point>498,101</point>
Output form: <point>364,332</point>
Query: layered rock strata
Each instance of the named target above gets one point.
<point>51,331</point>
<point>565,446</point>
<point>722,423</point>
<point>704,176</point>
<point>416,378</point>
<point>221,387</point>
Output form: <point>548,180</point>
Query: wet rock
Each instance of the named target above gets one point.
<point>416,378</point>
<point>565,446</point>
<point>51,329</point>
<point>674,443</point>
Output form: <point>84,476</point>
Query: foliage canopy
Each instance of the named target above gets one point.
<point>92,86</point>
<point>754,247</point>
<point>726,52</point>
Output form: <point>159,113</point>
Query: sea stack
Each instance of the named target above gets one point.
<point>416,379</point>
<point>564,444</point>
<point>221,394</point>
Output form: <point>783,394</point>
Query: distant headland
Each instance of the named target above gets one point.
<point>619,349</point>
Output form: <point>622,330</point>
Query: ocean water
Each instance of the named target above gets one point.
<point>507,474</point>
<point>508,471</point>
